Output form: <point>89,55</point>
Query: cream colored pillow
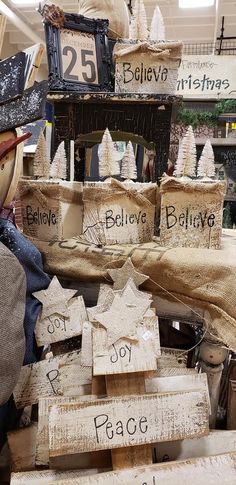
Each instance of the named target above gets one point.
<point>115,11</point>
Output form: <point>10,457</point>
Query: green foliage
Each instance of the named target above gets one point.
<point>209,118</point>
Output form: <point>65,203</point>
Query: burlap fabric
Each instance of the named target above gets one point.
<point>203,278</point>
<point>12,342</point>
<point>114,10</point>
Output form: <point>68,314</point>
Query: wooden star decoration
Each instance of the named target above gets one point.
<point>54,299</point>
<point>133,301</point>
<point>142,295</point>
<point>120,321</point>
<point>121,275</point>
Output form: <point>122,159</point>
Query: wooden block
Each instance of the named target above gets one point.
<point>213,470</point>
<point>172,358</point>
<point>28,108</point>
<point>55,328</point>
<point>44,477</point>
<point>62,375</point>
<point>215,443</point>
<point>12,77</point>
<point>22,446</point>
<point>126,356</point>
<point>174,371</point>
<point>126,421</point>
<point>34,55</point>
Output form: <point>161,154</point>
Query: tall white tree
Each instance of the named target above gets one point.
<point>41,163</point>
<point>138,26</point>
<point>128,167</point>
<point>108,164</point>
<point>189,153</point>
<point>179,164</point>
<point>157,31</point>
<point>206,164</point>
<point>58,168</point>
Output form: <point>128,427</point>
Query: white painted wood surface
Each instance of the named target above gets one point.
<point>86,347</point>
<point>62,375</point>
<point>214,470</point>
<point>126,421</point>
<point>44,477</point>
<point>218,441</point>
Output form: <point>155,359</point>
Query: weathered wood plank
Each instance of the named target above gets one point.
<point>62,375</point>
<point>213,470</point>
<point>12,77</point>
<point>126,421</point>
<point>22,446</point>
<point>44,477</point>
<point>172,358</point>
<point>34,55</point>
<point>126,356</point>
<point>215,443</point>
<point>86,347</point>
<point>28,108</point>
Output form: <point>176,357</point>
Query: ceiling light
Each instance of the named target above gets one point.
<point>196,3</point>
<point>25,3</point>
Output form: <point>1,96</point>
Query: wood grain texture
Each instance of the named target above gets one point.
<point>44,477</point>
<point>213,470</point>
<point>62,375</point>
<point>126,421</point>
<point>28,108</point>
<point>86,348</point>
<point>22,446</point>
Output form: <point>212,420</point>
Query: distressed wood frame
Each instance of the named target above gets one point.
<point>79,23</point>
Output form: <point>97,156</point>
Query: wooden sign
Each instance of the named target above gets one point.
<point>44,477</point>
<point>62,375</point>
<point>28,108</point>
<point>125,356</point>
<point>207,77</point>
<point>217,470</point>
<point>56,327</point>
<point>218,441</point>
<point>191,213</point>
<point>126,421</point>
<point>12,77</point>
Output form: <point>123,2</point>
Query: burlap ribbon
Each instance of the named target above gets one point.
<point>162,51</point>
<point>43,191</point>
<point>115,189</point>
<point>169,184</point>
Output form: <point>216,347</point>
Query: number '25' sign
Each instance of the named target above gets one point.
<point>78,55</point>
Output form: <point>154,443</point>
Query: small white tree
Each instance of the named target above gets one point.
<point>108,164</point>
<point>58,169</point>
<point>128,167</point>
<point>189,153</point>
<point>41,163</point>
<point>157,31</point>
<point>179,164</point>
<point>206,164</point>
<point>138,26</point>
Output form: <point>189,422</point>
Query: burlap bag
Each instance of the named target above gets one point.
<point>147,66</point>
<point>191,213</point>
<point>12,342</point>
<point>119,213</point>
<point>114,10</point>
<point>51,209</point>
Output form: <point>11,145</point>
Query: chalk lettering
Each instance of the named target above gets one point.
<point>52,376</point>
<point>40,218</point>
<point>124,219</point>
<point>188,219</point>
<point>122,352</point>
<point>131,426</point>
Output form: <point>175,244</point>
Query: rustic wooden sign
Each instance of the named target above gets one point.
<point>125,356</point>
<point>218,441</point>
<point>178,384</point>
<point>44,477</point>
<point>58,376</point>
<point>219,469</point>
<point>28,108</point>
<point>126,421</point>
<point>12,81</point>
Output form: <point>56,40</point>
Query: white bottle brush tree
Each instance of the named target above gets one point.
<point>41,163</point>
<point>108,163</point>
<point>138,26</point>
<point>58,169</point>
<point>157,31</point>
<point>128,167</point>
<point>206,164</point>
<point>187,157</point>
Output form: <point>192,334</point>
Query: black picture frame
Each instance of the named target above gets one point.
<point>78,24</point>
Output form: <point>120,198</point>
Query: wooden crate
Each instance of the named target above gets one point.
<point>191,213</point>
<point>147,67</point>
<point>51,210</point>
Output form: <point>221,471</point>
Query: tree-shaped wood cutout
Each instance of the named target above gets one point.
<point>189,154</point>
<point>58,168</point>
<point>108,164</point>
<point>206,164</point>
<point>128,167</point>
<point>138,27</point>
<point>41,163</point>
<point>157,31</point>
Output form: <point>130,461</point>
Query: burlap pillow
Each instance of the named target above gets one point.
<point>114,10</point>
<point>12,311</point>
